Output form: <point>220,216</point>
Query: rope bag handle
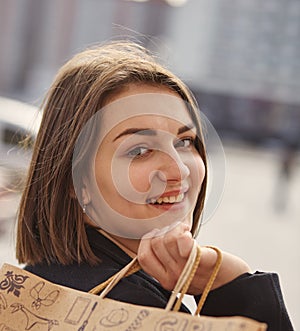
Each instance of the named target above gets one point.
<point>181,286</point>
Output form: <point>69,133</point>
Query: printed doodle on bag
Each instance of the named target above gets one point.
<point>4,327</point>
<point>137,323</point>
<point>231,326</point>
<point>3,303</point>
<point>33,319</point>
<point>172,323</point>
<point>114,318</point>
<point>39,300</point>
<point>13,283</point>
<point>77,310</point>
<point>85,323</point>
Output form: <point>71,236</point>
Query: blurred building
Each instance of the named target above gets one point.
<point>240,57</point>
<point>253,66</point>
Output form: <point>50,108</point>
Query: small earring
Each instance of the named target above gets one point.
<point>84,208</point>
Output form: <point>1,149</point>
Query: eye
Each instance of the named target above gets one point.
<point>139,152</point>
<point>185,142</point>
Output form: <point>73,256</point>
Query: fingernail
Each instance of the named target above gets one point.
<point>150,234</point>
<point>168,228</point>
<point>162,231</point>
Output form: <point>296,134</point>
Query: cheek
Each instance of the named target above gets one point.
<point>197,169</point>
<point>139,176</point>
<point>104,173</point>
<point>103,177</point>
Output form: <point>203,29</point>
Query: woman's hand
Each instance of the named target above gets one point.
<point>163,254</point>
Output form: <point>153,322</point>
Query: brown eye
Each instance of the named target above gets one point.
<point>138,152</point>
<point>184,142</point>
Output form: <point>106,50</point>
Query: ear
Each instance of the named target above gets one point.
<point>85,196</point>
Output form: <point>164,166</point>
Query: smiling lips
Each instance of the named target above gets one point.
<point>175,196</point>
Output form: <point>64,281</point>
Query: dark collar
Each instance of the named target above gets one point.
<point>102,246</point>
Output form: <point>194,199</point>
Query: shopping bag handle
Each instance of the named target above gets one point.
<point>181,286</point>
<point>187,276</point>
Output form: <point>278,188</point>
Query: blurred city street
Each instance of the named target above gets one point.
<point>241,61</point>
<point>246,222</point>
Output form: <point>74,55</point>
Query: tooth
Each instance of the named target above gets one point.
<point>179,197</point>
<point>172,199</point>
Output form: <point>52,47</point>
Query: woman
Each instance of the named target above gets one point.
<point>119,170</point>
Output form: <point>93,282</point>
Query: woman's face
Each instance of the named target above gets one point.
<point>147,165</point>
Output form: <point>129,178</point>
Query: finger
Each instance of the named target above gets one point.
<point>175,239</point>
<point>147,258</point>
<point>166,248</point>
<point>159,253</point>
<point>163,254</point>
<point>185,244</point>
<point>159,263</point>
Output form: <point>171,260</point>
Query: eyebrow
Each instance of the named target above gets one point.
<point>150,132</point>
<point>185,128</point>
<point>139,131</point>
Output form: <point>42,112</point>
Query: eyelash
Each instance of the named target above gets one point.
<point>137,153</point>
<point>191,141</point>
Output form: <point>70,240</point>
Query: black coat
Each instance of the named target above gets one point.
<point>257,295</point>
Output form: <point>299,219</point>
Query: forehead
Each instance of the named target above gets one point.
<point>152,110</point>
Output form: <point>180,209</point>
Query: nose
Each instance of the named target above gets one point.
<point>172,168</point>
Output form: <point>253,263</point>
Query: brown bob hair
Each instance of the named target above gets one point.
<point>51,225</point>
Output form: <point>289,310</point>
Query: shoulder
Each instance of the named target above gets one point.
<point>77,276</point>
<point>256,296</point>
<point>138,288</point>
<point>83,276</point>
